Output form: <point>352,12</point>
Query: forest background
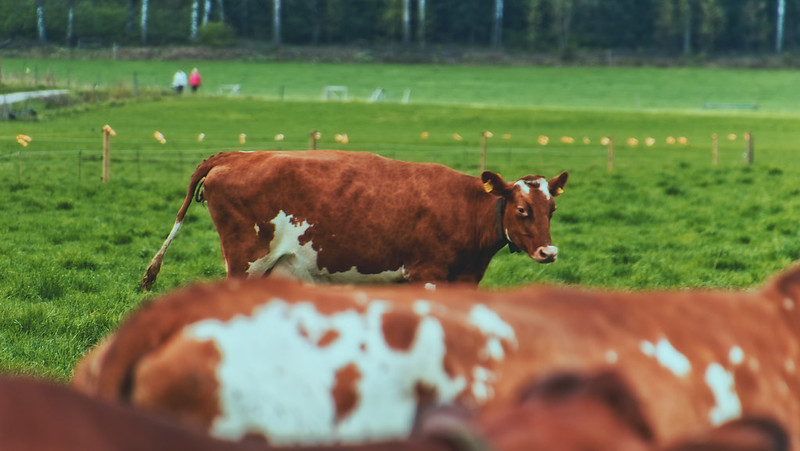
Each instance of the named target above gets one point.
<point>566,29</point>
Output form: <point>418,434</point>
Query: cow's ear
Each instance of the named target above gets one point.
<point>493,183</point>
<point>556,184</point>
<point>745,434</point>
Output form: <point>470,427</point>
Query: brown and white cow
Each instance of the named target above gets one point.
<point>571,412</point>
<point>359,217</point>
<point>289,360</point>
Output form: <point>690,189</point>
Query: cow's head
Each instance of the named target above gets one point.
<point>529,205</point>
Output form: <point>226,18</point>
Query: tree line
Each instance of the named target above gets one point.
<point>669,27</point>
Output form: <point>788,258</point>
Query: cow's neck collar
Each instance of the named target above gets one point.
<point>504,239</point>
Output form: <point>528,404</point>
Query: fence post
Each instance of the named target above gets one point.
<point>749,147</point>
<point>714,149</point>
<point>610,153</point>
<point>106,151</point>
<point>314,136</point>
<point>108,132</point>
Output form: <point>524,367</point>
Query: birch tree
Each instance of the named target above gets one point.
<point>40,21</point>
<point>144,21</point>
<point>406,22</point>
<point>421,23</point>
<point>276,22</point>
<point>497,29</point>
<point>206,11</point>
<point>195,17</point>
<point>781,15</point>
<point>70,22</point>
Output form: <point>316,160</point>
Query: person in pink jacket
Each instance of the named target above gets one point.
<point>194,79</point>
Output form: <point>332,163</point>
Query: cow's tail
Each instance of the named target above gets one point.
<point>194,191</point>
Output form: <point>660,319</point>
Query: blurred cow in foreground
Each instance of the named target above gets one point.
<point>317,364</point>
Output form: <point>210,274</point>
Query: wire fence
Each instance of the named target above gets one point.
<point>137,165</point>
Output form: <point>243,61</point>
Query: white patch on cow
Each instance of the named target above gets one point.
<point>789,365</point>
<point>788,304</point>
<point>611,356</point>
<point>543,187</point>
<point>481,384</point>
<point>361,298</point>
<point>256,228</point>
<point>666,355</point>
<point>494,328</point>
<point>288,257</point>
<point>275,379</point>
<point>430,286</point>
<point>721,383</point>
<point>736,355</point>
<point>421,307</point>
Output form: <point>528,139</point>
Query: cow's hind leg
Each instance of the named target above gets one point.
<point>245,252</point>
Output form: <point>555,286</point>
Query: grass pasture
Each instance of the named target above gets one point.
<point>74,249</point>
<point>603,88</point>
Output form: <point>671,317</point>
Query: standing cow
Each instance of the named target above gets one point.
<point>293,361</point>
<point>359,217</point>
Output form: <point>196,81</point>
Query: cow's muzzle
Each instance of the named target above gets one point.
<point>545,254</point>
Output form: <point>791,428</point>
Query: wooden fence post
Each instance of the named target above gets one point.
<point>314,136</point>
<point>749,147</point>
<point>106,151</point>
<point>108,132</point>
<point>714,149</point>
<point>610,153</point>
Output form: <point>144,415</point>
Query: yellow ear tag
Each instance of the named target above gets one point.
<point>559,191</point>
<point>487,186</point>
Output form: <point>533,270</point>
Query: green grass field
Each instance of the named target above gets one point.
<point>604,88</point>
<point>74,249</point>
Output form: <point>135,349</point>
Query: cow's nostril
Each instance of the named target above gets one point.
<point>546,254</point>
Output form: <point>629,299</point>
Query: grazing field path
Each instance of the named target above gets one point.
<point>16,97</point>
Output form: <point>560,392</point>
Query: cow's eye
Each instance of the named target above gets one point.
<point>522,212</point>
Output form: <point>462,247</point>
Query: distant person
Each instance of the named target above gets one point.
<point>179,81</point>
<point>194,79</point>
